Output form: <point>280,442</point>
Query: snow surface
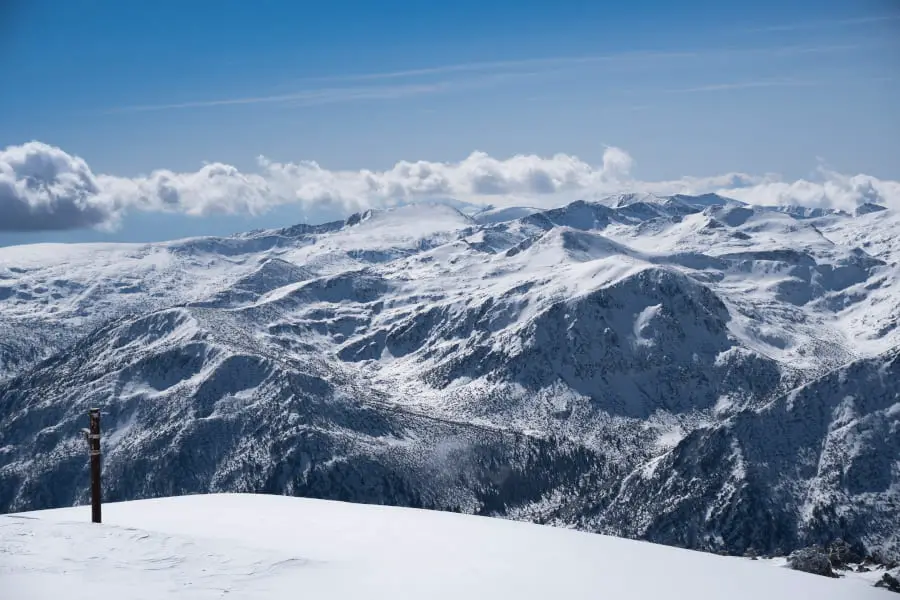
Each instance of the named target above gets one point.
<point>253,546</point>
<point>492,216</point>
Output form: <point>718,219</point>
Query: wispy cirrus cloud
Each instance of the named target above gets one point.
<point>335,95</point>
<point>827,24</point>
<point>313,96</point>
<point>742,85</point>
<point>463,76</point>
<point>843,79</point>
<point>535,64</point>
<point>510,65</point>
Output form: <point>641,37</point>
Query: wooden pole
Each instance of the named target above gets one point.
<point>94,443</point>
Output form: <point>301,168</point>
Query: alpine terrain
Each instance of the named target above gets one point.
<point>693,371</point>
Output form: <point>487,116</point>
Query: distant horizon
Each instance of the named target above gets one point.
<point>468,210</point>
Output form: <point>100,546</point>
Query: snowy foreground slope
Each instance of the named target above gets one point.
<point>245,546</point>
<point>686,370</point>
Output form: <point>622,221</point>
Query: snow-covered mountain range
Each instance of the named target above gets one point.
<point>689,370</point>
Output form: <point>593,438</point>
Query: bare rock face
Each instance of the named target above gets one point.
<point>889,582</point>
<point>812,559</point>
<point>842,554</point>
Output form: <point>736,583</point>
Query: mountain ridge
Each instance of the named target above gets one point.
<point>582,366</point>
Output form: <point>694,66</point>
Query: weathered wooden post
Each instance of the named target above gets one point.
<point>93,435</point>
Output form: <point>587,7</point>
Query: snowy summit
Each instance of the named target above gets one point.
<point>246,546</point>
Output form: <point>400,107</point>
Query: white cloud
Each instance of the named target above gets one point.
<point>834,191</point>
<point>42,187</point>
<point>214,188</point>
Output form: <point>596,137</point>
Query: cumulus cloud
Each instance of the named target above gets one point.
<point>833,191</point>
<point>43,187</point>
<point>214,188</point>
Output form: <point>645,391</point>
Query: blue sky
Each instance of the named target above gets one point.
<point>686,88</point>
